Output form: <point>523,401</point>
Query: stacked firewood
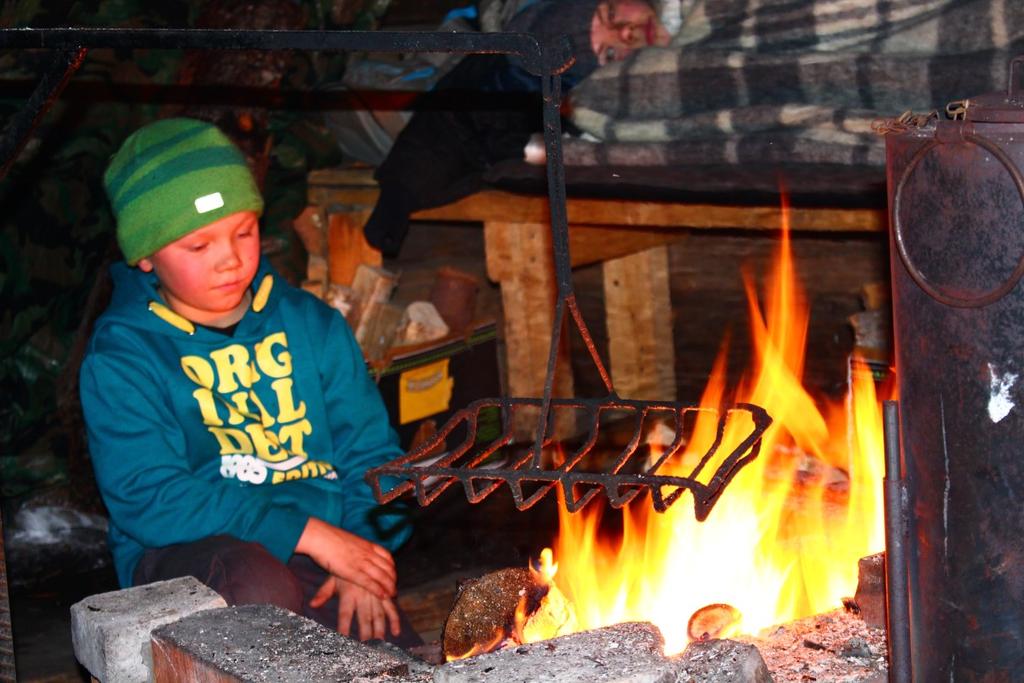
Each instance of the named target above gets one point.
<point>344,271</point>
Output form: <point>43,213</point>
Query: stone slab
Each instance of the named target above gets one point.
<point>722,661</point>
<point>110,631</point>
<point>268,643</point>
<point>624,653</point>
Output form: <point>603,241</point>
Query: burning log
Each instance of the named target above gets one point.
<point>484,613</point>
<point>509,606</point>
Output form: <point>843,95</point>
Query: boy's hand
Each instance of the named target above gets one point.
<point>349,557</point>
<point>373,615</point>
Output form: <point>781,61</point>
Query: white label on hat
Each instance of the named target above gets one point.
<point>209,202</point>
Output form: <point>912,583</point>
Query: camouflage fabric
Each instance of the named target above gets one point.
<point>56,230</point>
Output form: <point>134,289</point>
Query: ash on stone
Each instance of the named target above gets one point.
<point>856,648</point>
<point>268,643</point>
<point>418,668</point>
<point>837,637</point>
<point>411,677</point>
<point>624,653</point>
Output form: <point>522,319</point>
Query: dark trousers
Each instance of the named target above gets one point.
<point>245,573</point>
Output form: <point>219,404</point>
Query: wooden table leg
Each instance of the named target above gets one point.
<point>638,315</point>
<point>520,260</point>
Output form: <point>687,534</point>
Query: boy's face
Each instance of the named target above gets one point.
<point>205,275</point>
<point>620,27</point>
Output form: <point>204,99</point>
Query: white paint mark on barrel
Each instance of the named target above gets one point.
<point>999,403</point>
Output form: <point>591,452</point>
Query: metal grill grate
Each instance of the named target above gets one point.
<point>483,465</point>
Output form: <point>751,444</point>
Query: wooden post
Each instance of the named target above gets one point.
<point>638,314</point>
<point>520,259</point>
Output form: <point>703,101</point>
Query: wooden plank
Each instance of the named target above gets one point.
<point>597,243</point>
<point>339,177</point>
<point>638,315</point>
<point>347,247</point>
<point>521,258</point>
<point>498,243</point>
<point>496,205</point>
<point>587,244</point>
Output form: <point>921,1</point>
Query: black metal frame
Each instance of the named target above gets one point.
<point>897,546</point>
<point>8,670</point>
<point>546,59</point>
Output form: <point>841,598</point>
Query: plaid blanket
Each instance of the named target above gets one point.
<point>785,81</point>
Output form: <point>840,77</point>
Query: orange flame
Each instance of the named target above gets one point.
<point>784,540</point>
<point>479,648</point>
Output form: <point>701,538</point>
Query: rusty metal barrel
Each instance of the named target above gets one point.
<point>956,197</point>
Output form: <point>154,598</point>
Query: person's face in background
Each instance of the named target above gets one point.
<point>620,27</point>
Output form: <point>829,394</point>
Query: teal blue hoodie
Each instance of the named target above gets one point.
<point>195,433</point>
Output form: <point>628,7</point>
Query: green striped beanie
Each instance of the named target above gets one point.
<point>172,177</point>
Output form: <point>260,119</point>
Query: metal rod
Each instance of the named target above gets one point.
<point>552,56</point>
<point>19,128</point>
<point>552,100</point>
<point>551,96</point>
<point>521,44</point>
<point>897,600</point>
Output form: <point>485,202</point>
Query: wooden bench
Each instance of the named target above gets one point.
<point>628,237</point>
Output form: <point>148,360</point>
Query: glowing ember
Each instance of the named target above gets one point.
<point>783,542</point>
<point>714,621</point>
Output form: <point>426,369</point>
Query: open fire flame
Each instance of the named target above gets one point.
<point>784,540</point>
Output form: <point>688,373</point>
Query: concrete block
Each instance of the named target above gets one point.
<point>110,631</point>
<point>722,661</point>
<point>624,653</point>
<point>417,669</point>
<point>263,643</point>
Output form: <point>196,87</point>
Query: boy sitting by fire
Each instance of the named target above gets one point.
<point>230,415</point>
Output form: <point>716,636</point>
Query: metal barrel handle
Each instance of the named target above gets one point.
<point>935,291</point>
<point>1013,81</point>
